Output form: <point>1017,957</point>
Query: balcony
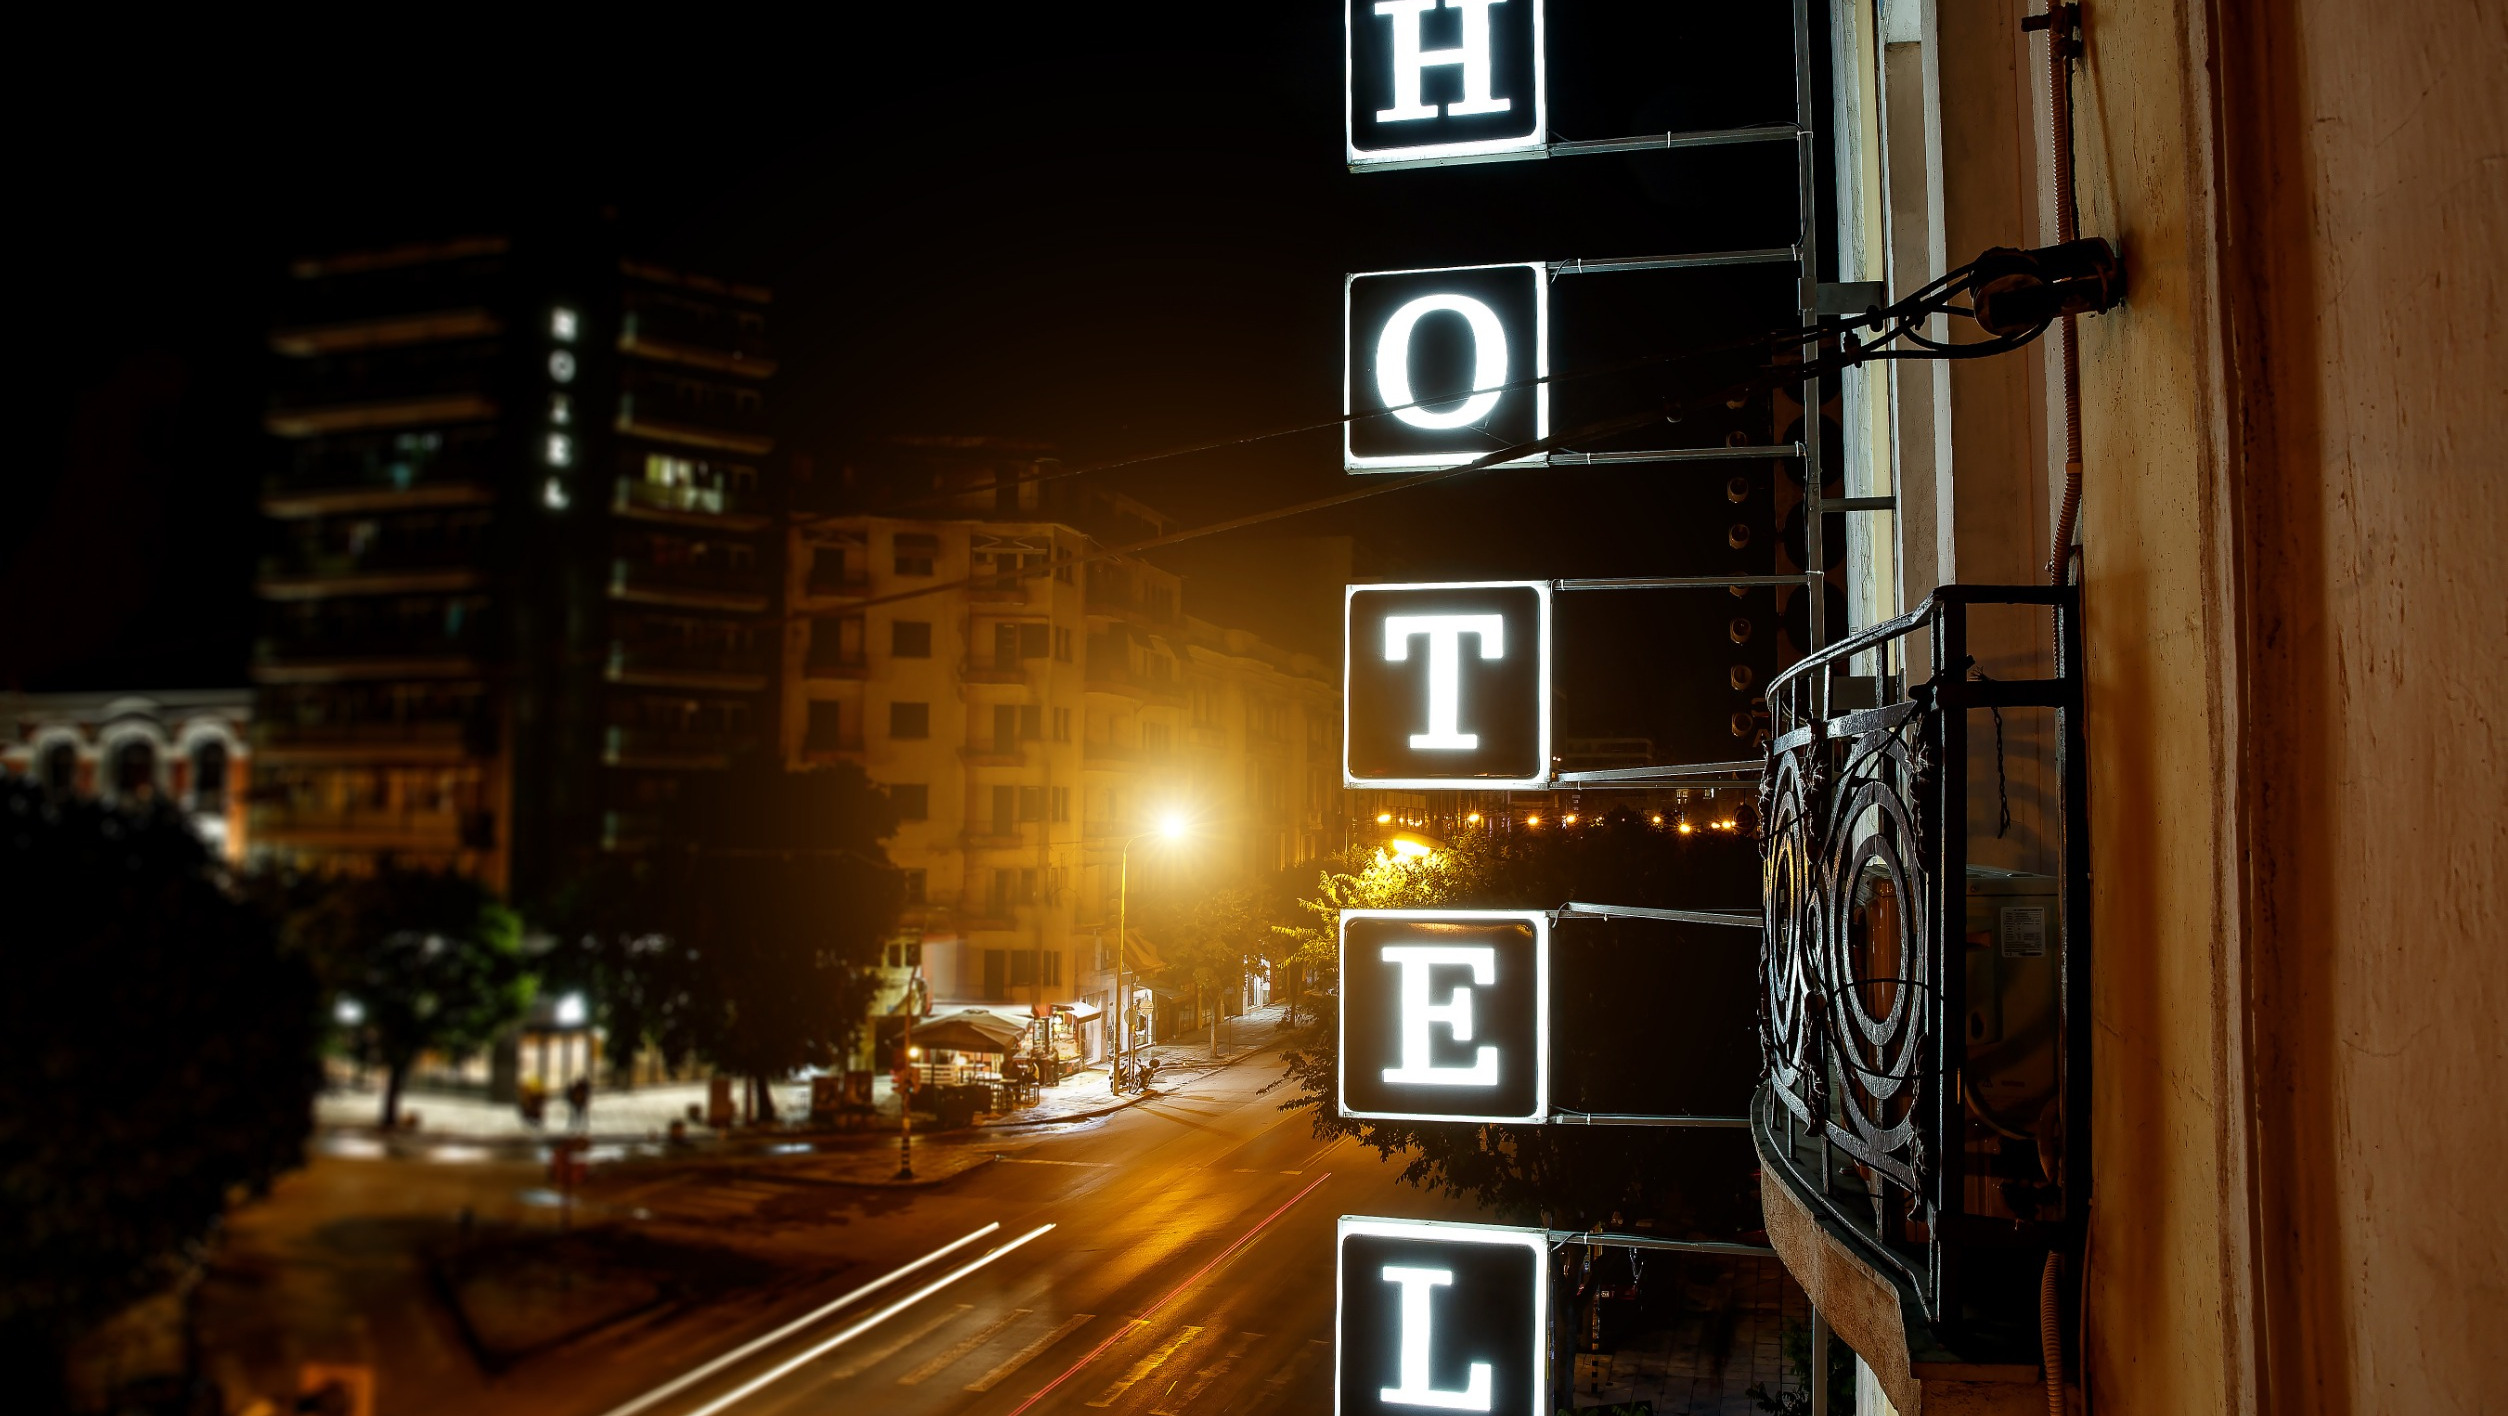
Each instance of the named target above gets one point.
<point>1923,1127</point>
<point>689,585</point>
<point>370,828</point>
<point>376,740</point>
<point>1098,756</point>
<point>847,668</point>
<point>450,644</point>
<point>995,837</point>
<point>991,754</point>
<point>686,505</point>
<point>662,665</point>
<point>994,671</point>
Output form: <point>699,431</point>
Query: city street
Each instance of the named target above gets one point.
<point>1175,1256</point>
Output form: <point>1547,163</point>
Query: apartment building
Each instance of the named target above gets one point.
<point>1029,717</point>
<point>189,747</point>
<point>517,581</point>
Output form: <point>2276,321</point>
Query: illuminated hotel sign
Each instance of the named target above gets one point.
<point>1440,1317</point>
<point>1445,1015</point>
<point>1430,353</point>
<point>1459,80</point>
<point>1446,685</point>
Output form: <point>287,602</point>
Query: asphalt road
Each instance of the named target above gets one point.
<point>1187,1269</point>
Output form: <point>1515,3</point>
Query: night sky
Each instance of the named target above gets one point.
<point>1114,228</point>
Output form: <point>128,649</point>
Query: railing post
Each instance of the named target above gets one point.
<point>1948,950</point>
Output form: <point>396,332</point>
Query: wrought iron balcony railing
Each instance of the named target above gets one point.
<point>1924,1022</point>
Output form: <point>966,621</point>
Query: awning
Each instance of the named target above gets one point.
<point>1083,1011</point>
<point>1139,955</point>
<point>972,1030</point>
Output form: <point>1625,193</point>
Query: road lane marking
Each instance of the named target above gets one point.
<point>1033,1160</point>
<point>1151,1363</point>
<point>960,1349</point>
<point>1242,1240</point>
<point>1177,1405</point>
<point>862,1362</point>
<point>883,1315</point>
<point>1028,1353</point>
<point>796,1324</point>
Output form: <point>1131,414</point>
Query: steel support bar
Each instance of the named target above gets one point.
<point>1594,1240</point>
<point>1649,775</point>
<point>1682,582</point>
<point>1634,1118</point>
<point>1751,453</point>
<point>1765,255</point>
<point>1807,238</point>
<point>1653,142</point>
<point>1860,504</point>
<point>1725,917</point>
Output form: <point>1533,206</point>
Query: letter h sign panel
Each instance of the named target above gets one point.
<point>1445,1015</point>
<point>1446,685</point>
<point>1443,80</point>
<point>1440,1317</point>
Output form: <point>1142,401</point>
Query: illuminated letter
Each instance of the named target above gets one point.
<point>1415,1390</point>
<point>1419,1015</point>
<point>1445,668</point>
<point>1489,360</point>
<point>1409,59</point>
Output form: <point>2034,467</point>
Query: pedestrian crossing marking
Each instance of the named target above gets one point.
<point>1203,1378</point>
<point>960,1349</point>
<point>1029,1353</point>
<point>1146,1365</point>
<point>863,1361</point>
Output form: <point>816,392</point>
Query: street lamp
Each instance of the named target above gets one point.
<point>1171,827</point>
<point>905,1113</point>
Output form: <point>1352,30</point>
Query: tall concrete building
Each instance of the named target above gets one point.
<point>519,555</point>
<point>1028,726</point>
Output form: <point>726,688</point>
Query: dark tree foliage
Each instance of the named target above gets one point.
<point>158,1052</point>
<point>431,960</point>
<point>1645,1018</point>
<point>746,937</point>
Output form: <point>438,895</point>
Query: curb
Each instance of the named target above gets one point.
<point>1112,1107</point>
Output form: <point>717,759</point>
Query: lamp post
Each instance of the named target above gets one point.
<point>1171,828</point>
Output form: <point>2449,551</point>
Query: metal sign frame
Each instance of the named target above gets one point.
<point>1540,779</point>
<point>1356,462</point>
<point>1532,143</point>
<point>1536,1242</point>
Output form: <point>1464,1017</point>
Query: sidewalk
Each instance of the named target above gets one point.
<point>447,1123</point>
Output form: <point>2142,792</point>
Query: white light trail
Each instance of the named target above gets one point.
<point>849,1334</point>
<point>797,1324</point>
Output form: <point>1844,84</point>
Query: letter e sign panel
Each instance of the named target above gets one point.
<point>1446,685</point>
<point>1431,353</point>
<point>1433,80</point>
<point>1440,1317</point>
<point>1445,1015</point>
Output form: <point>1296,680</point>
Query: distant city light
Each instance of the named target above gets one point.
<point>1685,828</point>
<point>348,1012</point>
<point>1474,818</point>
<point>570,1011</point>
<point>1532,820</point>
<point>1658,818</point>
<point>1171,825</point>
<point>1384,818</point>
<point>1570,818</point>
<point>1411,850</point>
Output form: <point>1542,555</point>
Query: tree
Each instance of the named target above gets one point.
<point>1661,1023</point>
<point>748,936</point>
<point>1207,936</point>
<point>424,961</point>
<point>160,1055</point>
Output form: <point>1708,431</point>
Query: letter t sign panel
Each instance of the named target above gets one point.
<point>1440,1317</point>
<point>1445,1015</point>
<point>1446,685</point>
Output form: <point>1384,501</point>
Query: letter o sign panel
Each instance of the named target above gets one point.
<point>1429,358</point>
<point>1445,1015</point>
<point>1440,1317</point>
<point>1446,685</point>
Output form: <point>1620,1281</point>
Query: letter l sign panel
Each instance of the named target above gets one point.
<point>1440,1317</point>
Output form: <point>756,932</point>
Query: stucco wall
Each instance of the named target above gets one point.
<point>2295,504</point>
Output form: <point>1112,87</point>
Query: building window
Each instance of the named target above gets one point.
<point>911,884</point>
<point>1031,803</point>
<point>209,777</point>
<point>1062,805</point>
<point>1005,811</point>
<point>59,769</point>
<point>910,639</point>
<point>134,769</point>
<point>915,553</point>
<point>909,720</point>
<point>1062,641</point>
<point>913,801</point>
<point>1031,719</point>
<point>826,731</point>
<point>1154,737</point>
<point>1062,725</point>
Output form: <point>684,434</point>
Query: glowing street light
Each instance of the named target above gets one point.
<point>1172,826</point>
